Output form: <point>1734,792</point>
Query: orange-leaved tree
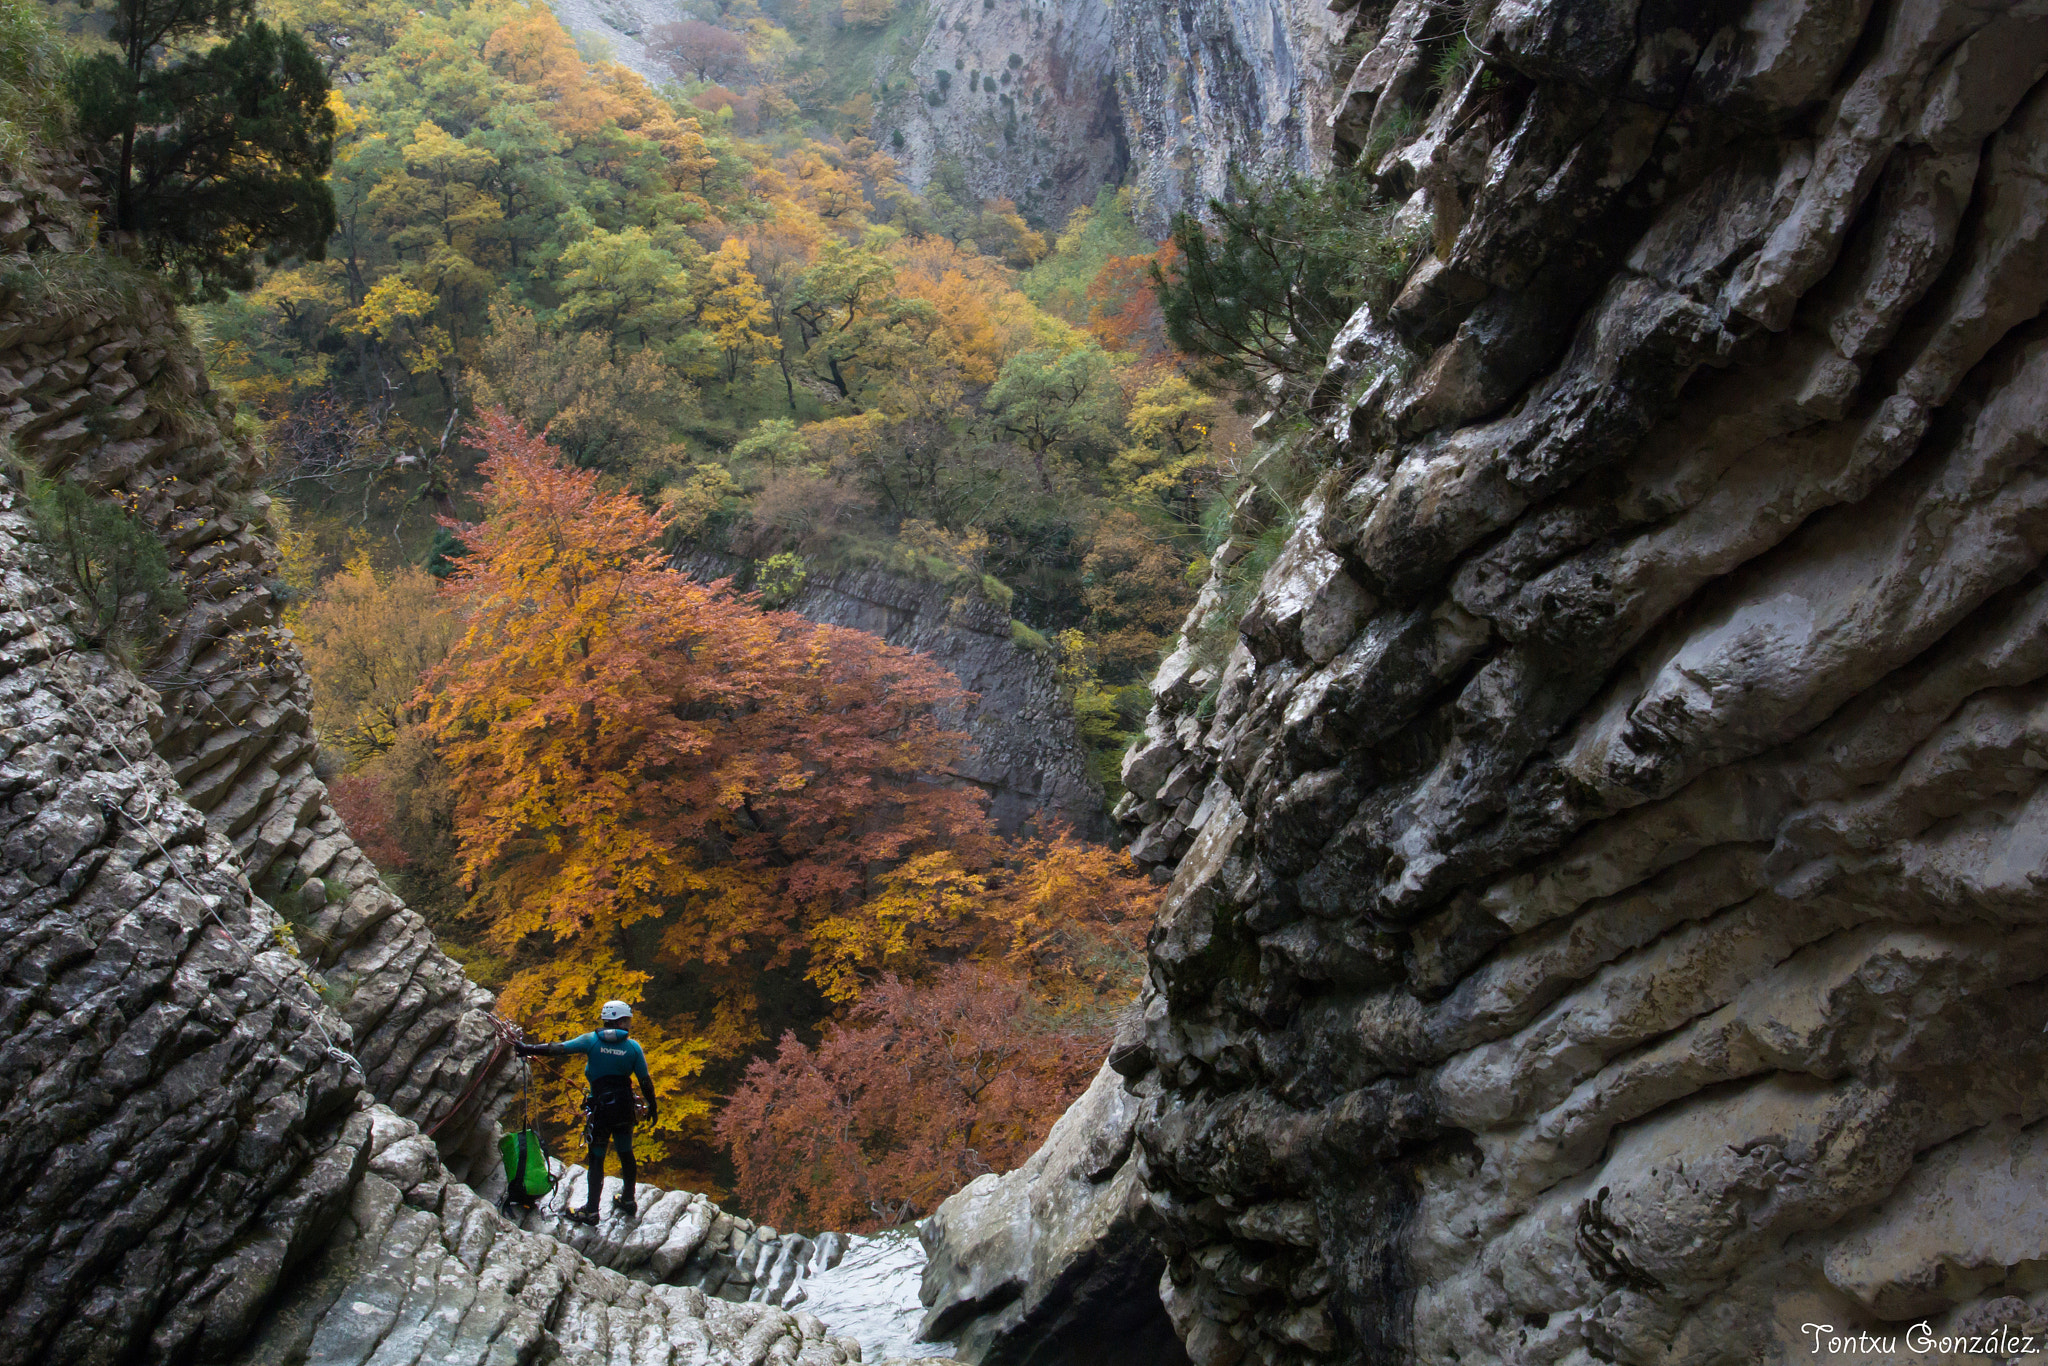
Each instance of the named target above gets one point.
<point>933,1080</point>
<point>923,1088</point>
<point>628,746</point>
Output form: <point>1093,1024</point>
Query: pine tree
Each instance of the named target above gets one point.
<point>1261,289</point>
<point>216,156</point>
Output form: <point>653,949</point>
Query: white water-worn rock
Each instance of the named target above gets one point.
<point>681,1238</point>
<point>871,1295</point>
<point>1048,1263</point>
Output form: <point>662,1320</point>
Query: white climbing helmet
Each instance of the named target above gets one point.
<point>615,1012</point>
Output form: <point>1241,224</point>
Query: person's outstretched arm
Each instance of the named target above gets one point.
<point>578,1044</point>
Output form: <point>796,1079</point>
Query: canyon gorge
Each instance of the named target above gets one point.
<point>1604,860</point>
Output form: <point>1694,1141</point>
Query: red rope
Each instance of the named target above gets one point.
<point>507,1036</point>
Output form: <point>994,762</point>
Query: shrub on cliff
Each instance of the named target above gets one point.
<point>217,157</point>
<point>111,562</point>
<point>1261,290</point>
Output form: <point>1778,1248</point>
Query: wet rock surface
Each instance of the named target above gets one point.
<point>1048,1263</point>
<point>1606,917</point>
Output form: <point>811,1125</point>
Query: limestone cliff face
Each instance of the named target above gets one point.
<point>1212,87</point>
<point>1019,96</point>
<point>1046,103</point>
<point>1607,919</point>
<point>1025,753</point>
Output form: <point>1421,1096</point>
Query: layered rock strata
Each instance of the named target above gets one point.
<point>1025,754</point>
<point>1607,917</point>
<point>420,1269</point>
<point>100,387</point>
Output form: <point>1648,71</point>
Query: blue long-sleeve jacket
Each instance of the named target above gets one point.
<point>606,1053</point>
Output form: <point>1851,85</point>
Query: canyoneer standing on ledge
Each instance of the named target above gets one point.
<point>612,1059</point>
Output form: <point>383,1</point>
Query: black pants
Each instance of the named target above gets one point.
<point>619,1136</point>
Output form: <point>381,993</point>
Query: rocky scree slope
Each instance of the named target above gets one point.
<point>1026,755</point>
<point>212,1114</point>
<point>1607,919</point>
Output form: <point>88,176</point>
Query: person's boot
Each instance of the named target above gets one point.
<point>582,1216</point>
<point>623,1205</point>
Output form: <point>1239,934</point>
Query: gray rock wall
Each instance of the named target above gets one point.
<point>1045,104</point>
<point>1607,919</point>
<point>1028,109</point>
<point>1212,87</point>
<point>1026,755</point>
<point>100,386</point>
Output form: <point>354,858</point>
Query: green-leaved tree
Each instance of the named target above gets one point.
<point>209,158</point>
<point>1261,289</point>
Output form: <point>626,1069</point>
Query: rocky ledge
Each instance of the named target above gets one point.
<point>682,1238</point>
<point>1047,1265</point>
<point>1607,918</point>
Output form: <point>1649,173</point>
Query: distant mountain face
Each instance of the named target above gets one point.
<point>1021,98</point>
<point>624,26</point>
<point>1044,104</point>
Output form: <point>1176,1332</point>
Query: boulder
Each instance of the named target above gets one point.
<point>1047,1265</point>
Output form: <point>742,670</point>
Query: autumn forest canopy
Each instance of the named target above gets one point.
<point>516,327</point>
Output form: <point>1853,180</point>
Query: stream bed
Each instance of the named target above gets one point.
<point>871,1296</point>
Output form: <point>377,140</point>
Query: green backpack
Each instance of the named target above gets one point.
<point>527,1177</point>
